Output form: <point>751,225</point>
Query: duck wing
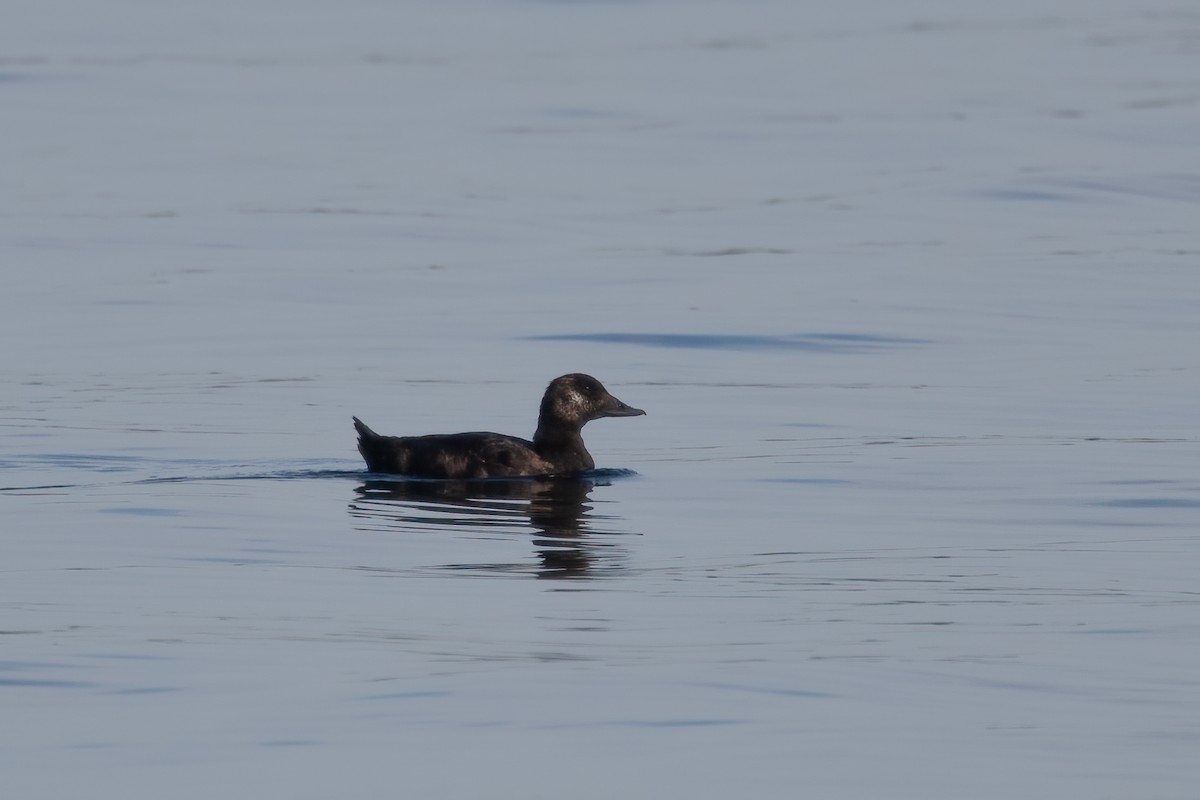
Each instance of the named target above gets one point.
<point>452,455</point>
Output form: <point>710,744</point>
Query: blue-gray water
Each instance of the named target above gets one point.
<point>908,291</point>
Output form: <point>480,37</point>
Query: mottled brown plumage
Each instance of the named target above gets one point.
<point>569,403</point>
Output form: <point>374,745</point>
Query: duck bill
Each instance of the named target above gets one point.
<point>623,410</point>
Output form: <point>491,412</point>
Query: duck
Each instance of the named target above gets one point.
<point>569,403</point>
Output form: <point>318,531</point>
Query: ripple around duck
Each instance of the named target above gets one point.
<point>570,538</point>
<point>194,472</point>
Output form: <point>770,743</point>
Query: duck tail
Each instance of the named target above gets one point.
<point>364,433</point>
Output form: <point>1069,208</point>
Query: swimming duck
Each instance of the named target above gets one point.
<point>570,402</point>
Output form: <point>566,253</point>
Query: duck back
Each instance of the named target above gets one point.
<point>450,455</point>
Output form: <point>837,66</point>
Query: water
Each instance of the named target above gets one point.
<point>908,292</point>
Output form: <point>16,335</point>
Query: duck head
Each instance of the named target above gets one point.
<point>576,399</point>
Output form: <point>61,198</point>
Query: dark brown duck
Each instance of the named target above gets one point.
<point>557,448</point>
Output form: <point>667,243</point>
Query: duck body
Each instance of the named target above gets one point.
<point>557,448</point>
<point>451,455</point>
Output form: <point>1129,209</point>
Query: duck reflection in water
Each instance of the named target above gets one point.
<point>558,511</point>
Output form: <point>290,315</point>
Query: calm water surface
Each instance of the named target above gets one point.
<point>914,508</point>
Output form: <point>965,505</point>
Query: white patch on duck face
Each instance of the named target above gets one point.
<point>572,404</point>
